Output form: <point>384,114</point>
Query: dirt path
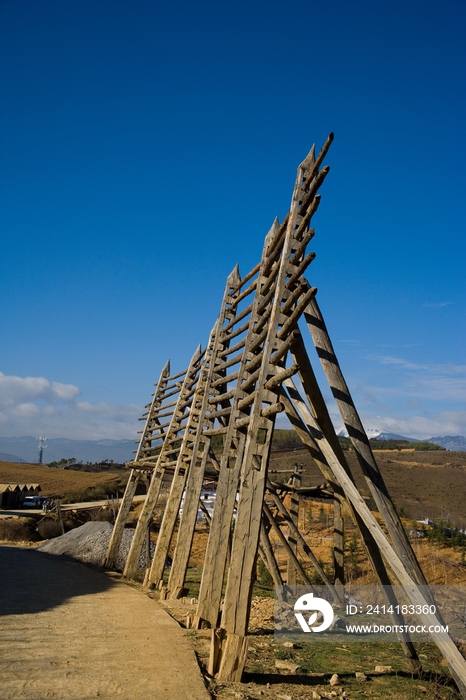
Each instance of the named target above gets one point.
<point>70,632</point>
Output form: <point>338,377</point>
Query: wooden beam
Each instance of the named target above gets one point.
<point>416,594</point>
<point>360,441</point>
<point>295,483</point>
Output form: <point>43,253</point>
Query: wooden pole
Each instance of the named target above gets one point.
<point>338,545</point>
<point>318,445</point>
<point>416,594</point>
<point>359,440</point>
<point>220,343</point>
<point>235,613</point>
<point>291,570</point>
<point>171,437</point>
<point>122,517</point>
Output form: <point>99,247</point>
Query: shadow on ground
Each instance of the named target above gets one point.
<point>32,581</point>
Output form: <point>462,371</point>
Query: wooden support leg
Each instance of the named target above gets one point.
<point>170,516</point>
<point>417,595</point>
<point>187,524</point>
<point>132,562</point>
<point>120,522</point>
<point>233,655</point>
<point>338,545</point>
<point>271,562</point>
<point>236,608</point>
<point>210,592</point>
<point>291,570</point>
<point>360,441</point>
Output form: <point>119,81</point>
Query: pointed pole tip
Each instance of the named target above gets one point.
<point>309,159</point>
<point>234,277</point>
<point>272,231</point>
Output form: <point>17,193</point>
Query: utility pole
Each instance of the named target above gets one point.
<point>42,447</point>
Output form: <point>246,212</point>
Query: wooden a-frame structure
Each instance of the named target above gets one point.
<point>235,388</point>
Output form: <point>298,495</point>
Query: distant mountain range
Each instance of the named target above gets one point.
<point>25,449</point>
<point>454,443</point>
<point>6,457</point>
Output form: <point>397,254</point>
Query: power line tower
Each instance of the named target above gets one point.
<point>42,447</point>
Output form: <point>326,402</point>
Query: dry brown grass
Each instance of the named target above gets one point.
<point>424,484</point>
<point>18,530</point>
<point>54,482</point>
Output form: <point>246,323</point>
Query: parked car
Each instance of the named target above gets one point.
<point>34,501</point>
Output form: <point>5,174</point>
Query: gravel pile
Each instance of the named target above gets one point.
<point>89,543</point>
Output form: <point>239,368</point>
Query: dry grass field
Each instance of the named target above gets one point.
<point>55,482</point>
<point>423,484</point>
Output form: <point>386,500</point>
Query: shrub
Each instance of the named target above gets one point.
<point>316,579</point>
<point>102,516</point>
<point>49,529</point>
<point>99,492</point>
<point>265,577</point>
<point>18,530</point>
<point>285,440</point>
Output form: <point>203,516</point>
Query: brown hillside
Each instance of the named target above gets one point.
<point>54,482</point>
<point>424,484</point>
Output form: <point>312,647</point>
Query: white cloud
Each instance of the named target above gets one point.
<point>25,410</point>
<point>107,409</point>
<point>431,388</point>
<point>445,423</point>
<point>430,367</point>
<point>30,405</point>
<point>436,382</point>
<point>32,388</point>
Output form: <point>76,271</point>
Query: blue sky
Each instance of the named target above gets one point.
<point>146,149</point>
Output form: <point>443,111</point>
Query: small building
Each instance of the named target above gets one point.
<point>13,495</point>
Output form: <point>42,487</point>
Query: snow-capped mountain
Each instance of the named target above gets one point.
<point>454,443</point>
<point>374,434</point>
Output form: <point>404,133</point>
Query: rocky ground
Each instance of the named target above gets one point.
<point>290,671</point>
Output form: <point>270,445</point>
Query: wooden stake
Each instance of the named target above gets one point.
<point>291,571</point>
